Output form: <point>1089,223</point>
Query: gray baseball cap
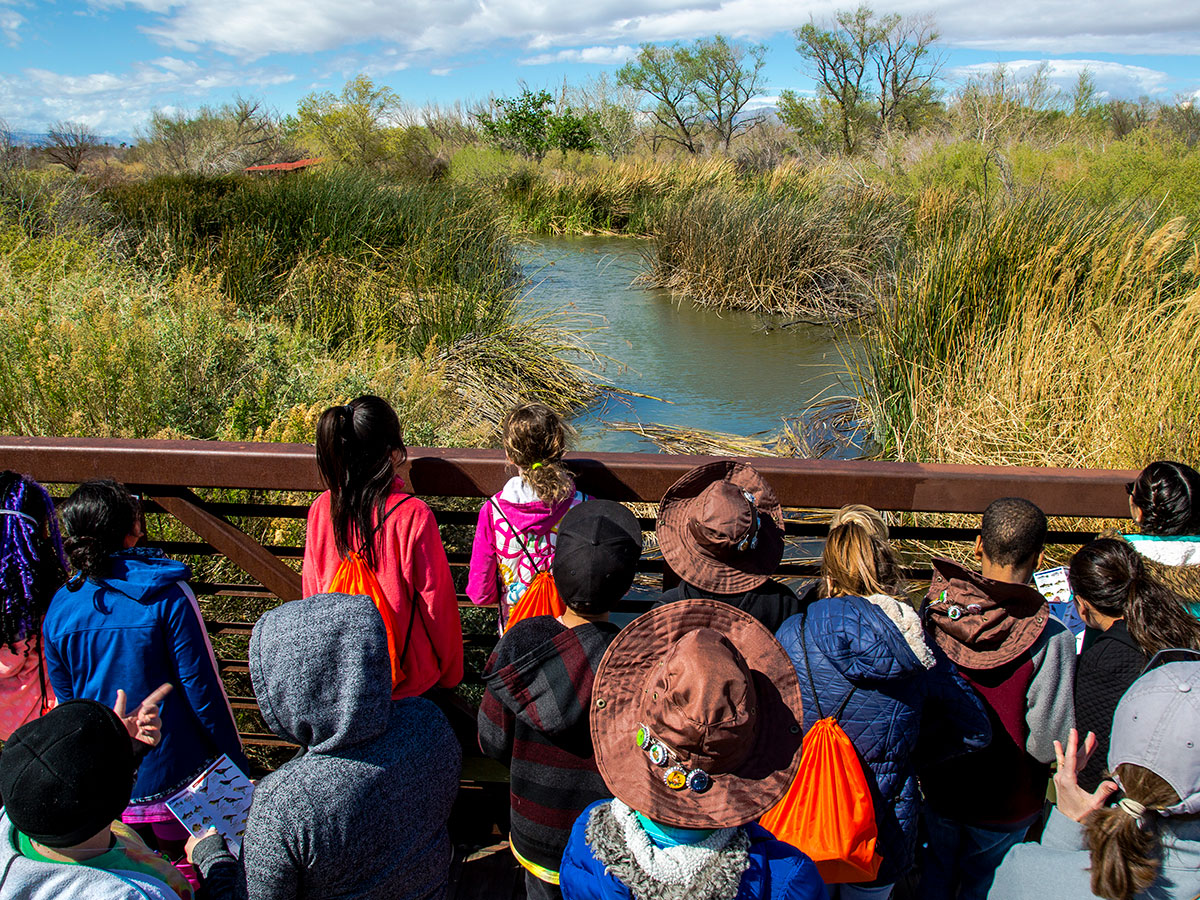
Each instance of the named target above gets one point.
<point>1157,726</point>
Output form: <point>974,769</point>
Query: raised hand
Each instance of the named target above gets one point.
<point>144,723</point>
<point>1073,801</point>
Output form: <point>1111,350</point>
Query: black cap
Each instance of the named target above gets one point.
<point>596,553</point>
<point>65,776</point>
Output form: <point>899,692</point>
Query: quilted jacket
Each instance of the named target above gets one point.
<point>909,704</point>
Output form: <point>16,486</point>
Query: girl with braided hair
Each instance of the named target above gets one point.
<point>32,568</point>
<point>518,527</point>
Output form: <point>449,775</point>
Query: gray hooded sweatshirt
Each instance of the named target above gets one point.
<point>361,812</point>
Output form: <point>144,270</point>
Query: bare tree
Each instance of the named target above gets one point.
<point>873,71</point>
<point>213,141</point>
<point>70,143</point>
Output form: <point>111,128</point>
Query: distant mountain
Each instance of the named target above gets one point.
<point>37,139</point>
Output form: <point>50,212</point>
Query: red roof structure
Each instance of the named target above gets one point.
<point>286,167</point>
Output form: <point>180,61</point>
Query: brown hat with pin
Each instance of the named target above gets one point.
<point>720,528</point>
<point>696,716</point>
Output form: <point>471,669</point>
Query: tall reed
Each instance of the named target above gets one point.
<point>1044,332</point>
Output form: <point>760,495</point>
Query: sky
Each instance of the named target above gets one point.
<point>109,63</point>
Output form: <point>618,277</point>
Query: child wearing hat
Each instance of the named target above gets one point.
<point>997,629</point>
<point>1147,845</point>
<point>534,714</point>
<point>65,779</point>
<point>720,529</point>
<point>696,719</point>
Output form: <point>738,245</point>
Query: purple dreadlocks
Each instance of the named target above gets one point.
<point>32,564</point>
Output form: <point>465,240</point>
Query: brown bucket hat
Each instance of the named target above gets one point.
<point>720,528</point>
<point>696,716</point>
<point>981,623</point>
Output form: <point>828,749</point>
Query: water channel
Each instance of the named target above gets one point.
<point>729,372</point>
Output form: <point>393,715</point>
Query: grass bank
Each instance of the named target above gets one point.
<point>1042,332</point>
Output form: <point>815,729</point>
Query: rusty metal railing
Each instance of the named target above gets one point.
<point>282,479</point>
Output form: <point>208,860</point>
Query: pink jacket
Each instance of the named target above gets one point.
<point>412,564</point>
<point>21,687</point>
<point>514,540</point>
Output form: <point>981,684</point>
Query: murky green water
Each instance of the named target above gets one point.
<point>731,372</point>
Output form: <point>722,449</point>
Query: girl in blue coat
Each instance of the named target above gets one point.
<point>128,620</point>
<point>695,718</point>
<point>906,703</point>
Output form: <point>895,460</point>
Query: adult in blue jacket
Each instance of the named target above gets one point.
<point>128,620</point>
<point>904,701</point>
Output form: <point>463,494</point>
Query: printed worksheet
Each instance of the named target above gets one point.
<point>219,798</point>
<point>1054,586</point>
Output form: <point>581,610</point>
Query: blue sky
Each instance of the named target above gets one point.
<point>110,62</point>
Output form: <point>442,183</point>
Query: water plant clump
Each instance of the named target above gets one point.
<point>1040,331</point>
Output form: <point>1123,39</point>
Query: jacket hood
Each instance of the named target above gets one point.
<point>525,512</point>
<point>868,639</point>
<point>321,671</point>
<point>547,687</point>
<point>981,623</point>
<point>141,572</point>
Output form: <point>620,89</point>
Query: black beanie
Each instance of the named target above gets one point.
<point>65,776</point>
<point>596,553</point>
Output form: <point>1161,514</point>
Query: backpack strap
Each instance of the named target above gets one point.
<point>412,599</point>
<point>811,683</point>
<point>517,536</point>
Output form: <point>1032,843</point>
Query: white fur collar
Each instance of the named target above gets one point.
<point>673,865</point>
<point>905,618</point>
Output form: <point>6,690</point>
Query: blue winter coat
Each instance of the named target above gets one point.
<point>134,630</point>
<point>777,870</point>
<point>901,713</point>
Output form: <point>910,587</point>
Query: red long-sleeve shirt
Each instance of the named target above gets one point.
<point>410,563</point>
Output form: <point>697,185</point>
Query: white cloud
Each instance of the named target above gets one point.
<point>442,28</point>
<point>605,56</point>
<point>1112,79</point>
<point>10,23</point>
<point>440,73</point>
<point>117,104</point>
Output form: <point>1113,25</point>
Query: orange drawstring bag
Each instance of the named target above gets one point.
<point>540,599</point>
<point>827,811</point>
<point>353,576</point>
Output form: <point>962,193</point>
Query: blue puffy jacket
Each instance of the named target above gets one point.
<point>901,712</point>
<point>134,630</point>
<point>777,870</point>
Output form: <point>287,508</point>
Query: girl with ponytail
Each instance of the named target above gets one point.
<point>366,511</point>
<point>32,568</point>
<point>1147,844</point>
<point>517,528</point>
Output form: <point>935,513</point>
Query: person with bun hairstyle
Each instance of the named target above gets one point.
<point>1164,502</point>
<point>128,620</point>
<point>1147,844</point>
<point>861,648</point>
<point>367,510</point>
<point>518,527</point>
<point>32,568</point>
<point>1130,616</point>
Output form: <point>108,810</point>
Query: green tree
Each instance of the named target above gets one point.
<point>355,126</point>
<point>875,73</point>
<point>705,84</point>
<point>530,124</point>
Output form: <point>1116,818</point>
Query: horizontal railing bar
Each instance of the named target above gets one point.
<point>468,472</point>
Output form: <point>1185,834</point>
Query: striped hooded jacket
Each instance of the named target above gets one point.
<point>534,718</point>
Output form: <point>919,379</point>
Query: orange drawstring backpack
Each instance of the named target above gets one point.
<point>541,598</point>
<point>827,811</point>
<point>353,576</point>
